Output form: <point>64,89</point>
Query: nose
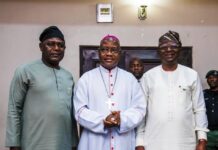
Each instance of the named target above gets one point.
<point>169,48</point>
<point>109,52</point>
<point>136,67</point>
<point>56,47</point>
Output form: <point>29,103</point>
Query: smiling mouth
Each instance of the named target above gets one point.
<point>55,55</point>
<point>170,55</point>
<point>108,60</point>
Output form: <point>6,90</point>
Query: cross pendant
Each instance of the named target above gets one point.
<point>110,103</point>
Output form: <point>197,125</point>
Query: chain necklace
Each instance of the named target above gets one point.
<point>110,92</point>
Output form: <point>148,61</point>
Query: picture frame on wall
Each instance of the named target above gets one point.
<point>104,13</point>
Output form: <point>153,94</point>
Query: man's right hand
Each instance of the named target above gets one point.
<point>140,148</point>
<point>15,148</point>
<point>112,120</point>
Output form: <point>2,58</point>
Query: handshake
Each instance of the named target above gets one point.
<point>112,120</point>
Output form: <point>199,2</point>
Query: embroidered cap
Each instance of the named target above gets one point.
<point>170,36</point>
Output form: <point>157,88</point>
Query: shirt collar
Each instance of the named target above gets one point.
<point>114,70</point>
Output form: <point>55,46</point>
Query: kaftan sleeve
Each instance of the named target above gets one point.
<point>140,139</point>
<point>199,110</point>
<point>87,118</point>
<point>140,131</point>
<point>74,123</point>
<point>132,117</point>
<point>17,94</point>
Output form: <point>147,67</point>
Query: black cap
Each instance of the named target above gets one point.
<point>212,72</point>
<point>51,32</point>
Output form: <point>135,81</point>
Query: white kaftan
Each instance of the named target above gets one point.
<point>92,107</point>
<point>176,110</point>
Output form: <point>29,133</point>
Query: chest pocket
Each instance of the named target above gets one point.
<point>206,98</point>
<point>183,94</point>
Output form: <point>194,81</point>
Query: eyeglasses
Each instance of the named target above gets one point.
<point>112,50</point>
<point>54,44</point>
<point>165,48</point>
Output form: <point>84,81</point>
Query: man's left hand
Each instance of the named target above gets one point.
<point>201,145</point>
<point>74,148</point>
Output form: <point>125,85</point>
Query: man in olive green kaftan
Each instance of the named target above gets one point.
<point>39,107</point>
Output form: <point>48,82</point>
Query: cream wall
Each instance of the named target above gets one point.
<point>21,23</point>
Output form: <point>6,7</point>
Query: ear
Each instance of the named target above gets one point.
<point>41,46</point>
<point>179,51</point>
<point>99,55</point>
<point>121,52</point>
<point>158,51</point>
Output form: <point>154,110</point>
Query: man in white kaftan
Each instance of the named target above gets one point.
<point>103,91</point>
<point>176,109</point>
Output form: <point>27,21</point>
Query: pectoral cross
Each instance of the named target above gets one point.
<point>110,103</point>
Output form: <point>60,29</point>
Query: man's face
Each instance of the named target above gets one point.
<point>212,81</point>
<point>169,53</point>
<point>136,68</point>
<point>109,54</point>
<point>52,51</point>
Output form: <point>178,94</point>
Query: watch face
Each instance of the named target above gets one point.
<point>104,12</point>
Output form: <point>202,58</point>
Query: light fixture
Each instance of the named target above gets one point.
<point>142,12</point>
